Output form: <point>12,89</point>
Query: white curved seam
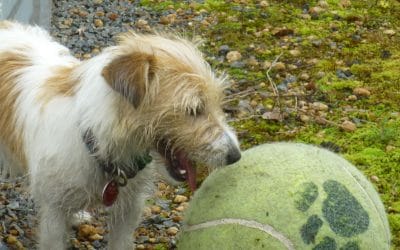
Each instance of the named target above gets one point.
<point>247,223</point>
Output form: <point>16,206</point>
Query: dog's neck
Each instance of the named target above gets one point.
<point>110,167</point>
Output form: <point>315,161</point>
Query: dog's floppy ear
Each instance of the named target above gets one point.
<point>130,75</point>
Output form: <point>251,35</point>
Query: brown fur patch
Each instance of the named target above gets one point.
<point>62,83</point>
<point>129,75</point>
<point>10,134</point>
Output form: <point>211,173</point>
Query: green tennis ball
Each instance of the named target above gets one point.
<point>286,196</point>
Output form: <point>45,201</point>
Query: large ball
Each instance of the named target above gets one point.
<point>286,196</point>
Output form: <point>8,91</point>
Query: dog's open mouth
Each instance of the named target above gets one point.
<point>179,166</point>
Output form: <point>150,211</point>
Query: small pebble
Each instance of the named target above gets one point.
<point>98,23</point>
<point>95,237</point>
<point>361,92</point>
<point>280,66</point>
<point>320,106</point>
<point>155,209</point>
<point>233,56</point>
<point>352,98</point>
<point>374,178</point>
<point>180,199</point>
<point>348,126</point>
<point>11,240</point>
<point>172,231</point>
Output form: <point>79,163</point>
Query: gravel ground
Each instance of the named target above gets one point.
<point>86,28</point>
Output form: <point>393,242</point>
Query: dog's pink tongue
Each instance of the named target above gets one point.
<point>191,177</point>
<point>190,171</point>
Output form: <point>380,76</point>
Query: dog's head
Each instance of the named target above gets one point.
<point>172,102</point>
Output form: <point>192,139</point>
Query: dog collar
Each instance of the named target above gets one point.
<point>119,174</point>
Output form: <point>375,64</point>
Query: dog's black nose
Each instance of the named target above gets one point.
<point>233,156</point>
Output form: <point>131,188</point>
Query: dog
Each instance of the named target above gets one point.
<point>95,132</point>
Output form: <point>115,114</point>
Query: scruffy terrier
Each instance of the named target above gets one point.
<point>86,131</point>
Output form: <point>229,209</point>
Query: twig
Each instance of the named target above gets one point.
<point>273,85</point>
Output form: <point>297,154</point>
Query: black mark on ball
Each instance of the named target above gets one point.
<point>352,245</point>
<point>345,215</point>
<point>310,230</point>
<point>327,243</point>
<point>306,196</point>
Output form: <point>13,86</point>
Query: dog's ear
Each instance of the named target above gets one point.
<point>130,75</point>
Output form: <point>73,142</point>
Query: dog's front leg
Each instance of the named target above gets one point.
<point>124,218</point>
<point>52,228</point>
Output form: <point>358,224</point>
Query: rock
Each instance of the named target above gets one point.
<point>172,231</point>
<point>253,103</point>
<point>294,52</point>
<point>320,106</point>
<point>233,56</point>
<point>390,148</point>
<point>310,86</point>
<point>68,22</point>
<point>86,230</point>
<point>13,232</point>
<point>352,98</point>
<point>180,199</point>
<point>266,65</point>
<point>98,23</point>
<point>100,13</point>
<point>323,4</point>
<point>141,23</point>
<point>252,61</point>
<point>280,66</point>
<point>304,118</point>
<point>345,3</point>
<point>264,4</point>
<point>348,126</point>
<point>169,19</point>
<point>182,207</point>
<point>374,178</point>
<point>305,16</point>
<point>312,61</point>
<point>177,218</point>
<point>320,74</point>
<point>389,32</point>
<point>304,76</point>
<point>155,209</point>
<point>386,54</point>
<point>112,16</point>
<point>281,32</point>
<point>237,64</point>
<point>11,240</point>
<point>316,10</point>
<point>274,115</point>
<point>344,74</point>
<point>140,247</point>
<point>95,237</point>
<point>152,240</point>
<point>361,92</point>
<point>223,50</point>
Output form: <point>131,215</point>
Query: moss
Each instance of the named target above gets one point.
<point>374,146</point>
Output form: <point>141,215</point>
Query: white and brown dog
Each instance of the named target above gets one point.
<point>85,131</point>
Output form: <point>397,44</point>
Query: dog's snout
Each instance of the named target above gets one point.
<point>233,156</point>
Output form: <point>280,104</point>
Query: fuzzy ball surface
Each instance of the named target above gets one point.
<point>286,196</point>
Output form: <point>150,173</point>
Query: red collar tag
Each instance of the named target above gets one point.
<point>110,193</point>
